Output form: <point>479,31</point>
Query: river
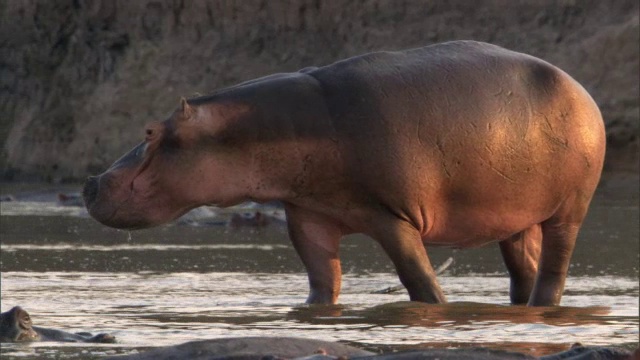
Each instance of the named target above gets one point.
<point>194,280</point>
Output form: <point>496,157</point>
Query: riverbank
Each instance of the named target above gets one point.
<point>81,79</point>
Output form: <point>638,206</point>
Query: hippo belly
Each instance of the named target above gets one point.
<point>456,144</point>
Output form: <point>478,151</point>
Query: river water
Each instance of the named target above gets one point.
<point>197,279</point>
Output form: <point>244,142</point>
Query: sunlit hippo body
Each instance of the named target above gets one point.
<point>16,326</point>
<point>458,144</point>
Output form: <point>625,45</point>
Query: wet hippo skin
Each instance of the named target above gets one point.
<point>458,144</point>
<point>16,326</point>
<point>262,348</point>
<point>249,348</point>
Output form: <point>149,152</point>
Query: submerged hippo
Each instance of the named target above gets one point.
<point>16,326</point>
<point>255,219</point>
<point>458,144</point>
<point>261,348</point>
<point>249,348</point>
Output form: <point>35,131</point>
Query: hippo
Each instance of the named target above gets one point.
<point>16,326</point>
<point>70,199</point>
<point>458,144</point>
<point>255,219</point>
<point>250,348</point>
<point>261,348</point>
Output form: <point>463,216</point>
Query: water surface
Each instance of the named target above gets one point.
<point>178,283</point>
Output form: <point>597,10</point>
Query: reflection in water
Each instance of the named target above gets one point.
<point>154,309</point>
<point>453,314</point>
<point>178,283</point>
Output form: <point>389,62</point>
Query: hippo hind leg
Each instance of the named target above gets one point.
<point>521,253</point>
<point>558,241</point>
<point>559,235</point>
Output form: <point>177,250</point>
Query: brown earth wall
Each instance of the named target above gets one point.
<point>79,79</point>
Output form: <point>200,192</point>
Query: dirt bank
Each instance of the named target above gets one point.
<point>78,79</point>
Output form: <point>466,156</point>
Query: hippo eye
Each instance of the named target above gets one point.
<point>152,131</point>
<point>25,322</point>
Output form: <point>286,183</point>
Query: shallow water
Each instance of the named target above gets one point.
<point>178,283</point>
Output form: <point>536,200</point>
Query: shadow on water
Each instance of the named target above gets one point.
<point>178,283</point>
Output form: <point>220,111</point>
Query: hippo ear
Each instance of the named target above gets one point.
<point>186,109</point>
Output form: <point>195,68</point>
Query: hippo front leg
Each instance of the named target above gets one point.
<point>405,248</point>
<point>316,238</point>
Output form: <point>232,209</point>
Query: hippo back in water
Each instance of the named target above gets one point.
<point>458,144</point>
<point>261,348</point>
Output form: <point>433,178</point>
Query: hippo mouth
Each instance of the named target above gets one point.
<point>108,196</point>
<point>104,212</point>
<point>125,214</point>
<point>90,190</point>
<point>27,335</point>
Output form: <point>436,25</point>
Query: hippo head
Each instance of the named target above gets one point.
<point>15,325</point>
<point>184,162</point>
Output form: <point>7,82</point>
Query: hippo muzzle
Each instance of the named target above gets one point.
<point>90,190</point>
<point>137,191</point>
<point>105,205</point>
<point>107,195</point>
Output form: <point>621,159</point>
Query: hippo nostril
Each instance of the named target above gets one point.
<point>90,191</point>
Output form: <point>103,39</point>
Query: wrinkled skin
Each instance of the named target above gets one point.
<point>16,326</point>
<point>458,144</point>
